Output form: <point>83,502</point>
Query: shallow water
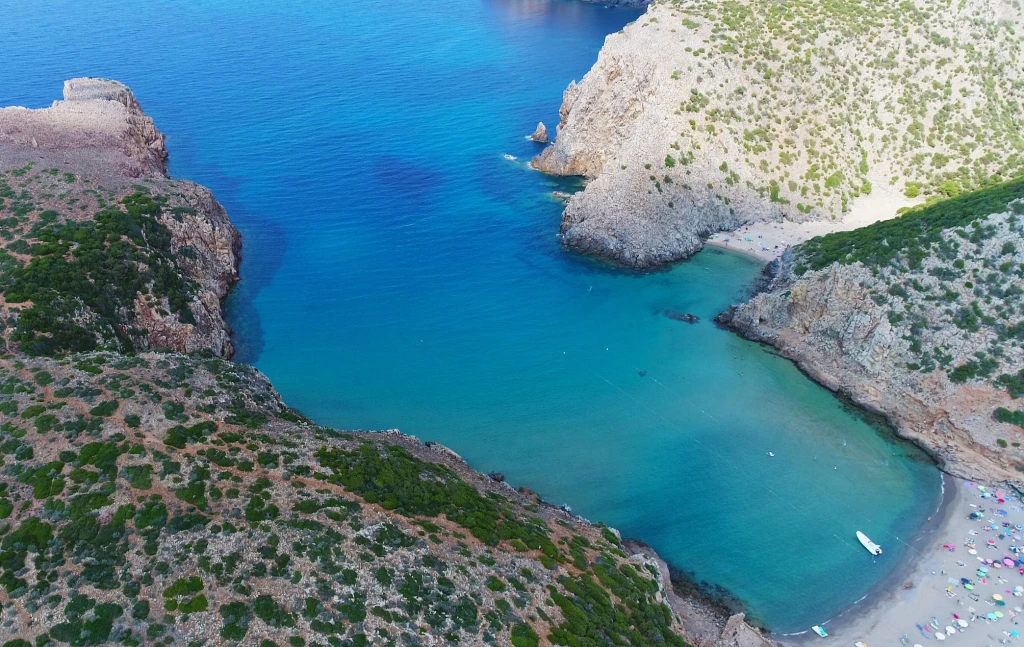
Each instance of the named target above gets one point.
<point>400,272</point>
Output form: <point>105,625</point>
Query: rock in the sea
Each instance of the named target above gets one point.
<point>682,316</point>
<point>540,135</point>
<point>497,476</point>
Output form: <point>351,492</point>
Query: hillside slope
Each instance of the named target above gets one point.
<point>920,318</point>
<point>165,498</point>
<point>702,115</point>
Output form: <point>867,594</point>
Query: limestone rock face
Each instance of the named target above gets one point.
<point>100,138</point>
<point>99,128</point>
<point>540,135</point>
<point>205,228</point>
<point>701,116</point>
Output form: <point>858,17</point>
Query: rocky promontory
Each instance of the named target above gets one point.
<point>921,319</point>
<point>165,249</point>
<point>703,115</point>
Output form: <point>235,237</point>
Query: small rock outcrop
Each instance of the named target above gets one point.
<point>703,115</point>
<point>685,317</point>
<point>540,135</point>
<point>99,130</point>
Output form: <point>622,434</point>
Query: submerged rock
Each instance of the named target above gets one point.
<point>540,135</point>
<point>682,316</point>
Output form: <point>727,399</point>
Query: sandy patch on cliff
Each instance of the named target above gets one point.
<point>768,240</point>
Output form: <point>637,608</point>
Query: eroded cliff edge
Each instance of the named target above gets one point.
<point>97,151</point>
<point>704,115</point>
<point>917,318</point>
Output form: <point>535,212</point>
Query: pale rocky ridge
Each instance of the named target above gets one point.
<point>925,347</point>
<point>701,115</point>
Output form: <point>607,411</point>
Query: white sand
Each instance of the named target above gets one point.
<point>919,592</point>
<point>769,239</point>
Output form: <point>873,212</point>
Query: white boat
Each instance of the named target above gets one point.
<point>872,547</point>
<point>821,632</point>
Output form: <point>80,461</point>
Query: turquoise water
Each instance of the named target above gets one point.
<point>400,272</point>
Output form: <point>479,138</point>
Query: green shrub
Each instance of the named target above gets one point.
<point>1003,414</point>
<point>101,264</point>
<point>523,636</point>
<point>105,409</point>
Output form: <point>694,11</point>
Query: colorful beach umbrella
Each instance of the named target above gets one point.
<point>996,596</point>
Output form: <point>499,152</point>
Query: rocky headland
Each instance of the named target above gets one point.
<point>66,273</point>
<point>917,318</point>
<point>152,492</point>
<point>701,116</point>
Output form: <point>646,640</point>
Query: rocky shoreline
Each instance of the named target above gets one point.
<point>839,329</point>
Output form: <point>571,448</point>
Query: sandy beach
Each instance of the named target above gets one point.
<point>928,596</point>
<point>767,240</point>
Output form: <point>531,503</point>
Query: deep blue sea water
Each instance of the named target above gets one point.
<point>400,272</point>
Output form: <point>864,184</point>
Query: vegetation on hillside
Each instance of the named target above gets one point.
<point>949,278</point>
<point>71,280</point>
<point>804,100</point>
<point>227,517</point>
<point>910,238</point>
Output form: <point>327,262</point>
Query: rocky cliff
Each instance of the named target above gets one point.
<point>917,318</point>
<point>86,195</point>
<point>703,115</point>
